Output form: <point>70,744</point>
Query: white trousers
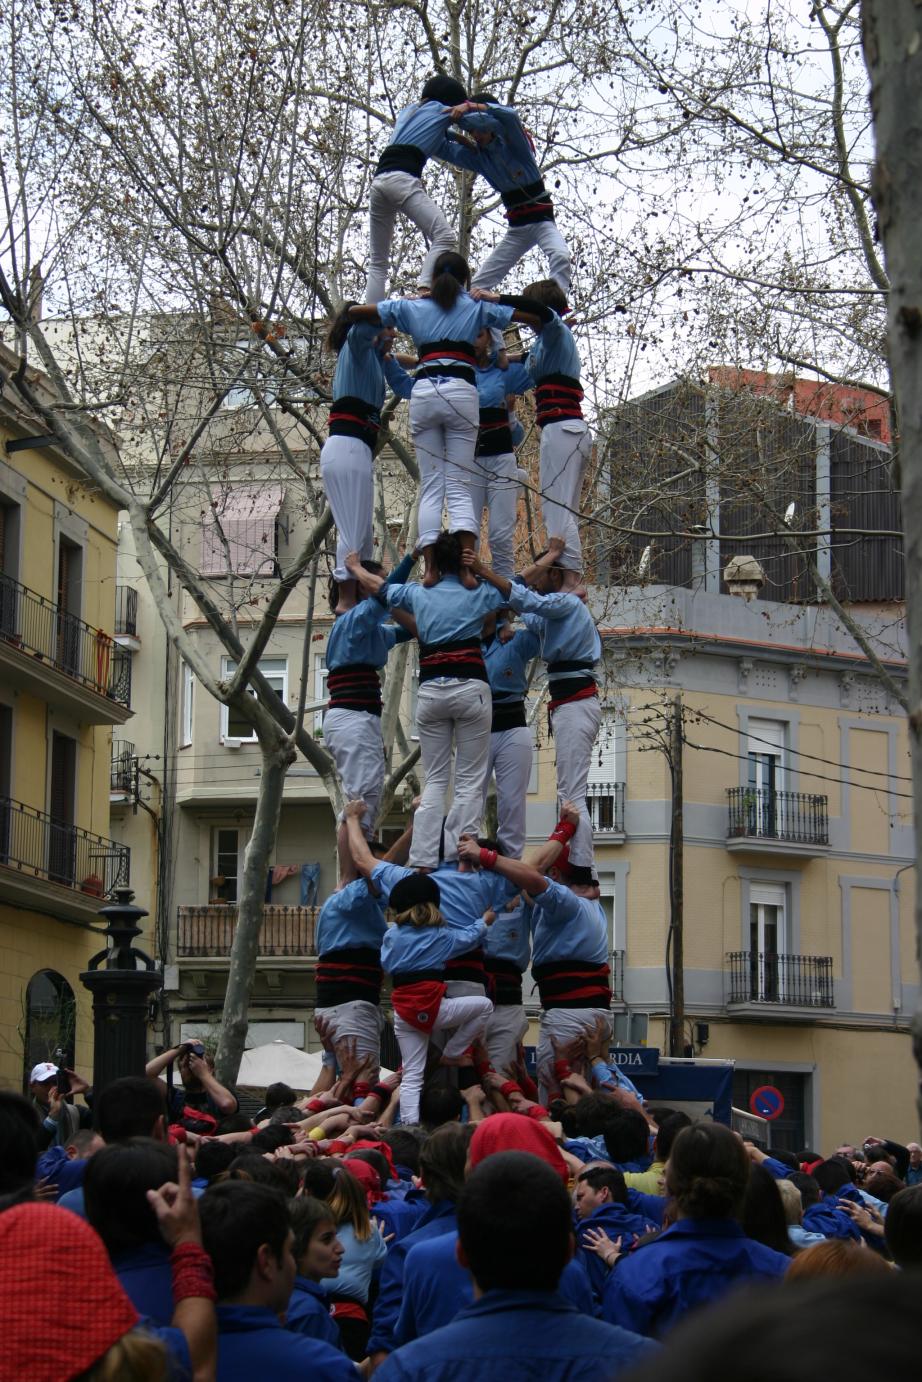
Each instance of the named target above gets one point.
<point>575,727</point>
<point>563,1025</point>
<point>510,758</point>
<point>515,244</point>
<point>496,484</point>
<point>358,1019</point>
<point>354,740</point>
<point>467,1015</point>
<point>390,193</point>
<point>506,1028</point>
<point>444,417</point>
<point>450,713</point>
<point>347,472</point>
<point>565,450</point>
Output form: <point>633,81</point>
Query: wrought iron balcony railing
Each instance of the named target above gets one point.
<point>761,814</point>
<point>616,964</point>
<point>124,767</point>
<point>793,981</point>
<point>43,630</point>
<point>34,843</point>
<point>605,801</point>
<point>126,610</point>
<point>209,931</point>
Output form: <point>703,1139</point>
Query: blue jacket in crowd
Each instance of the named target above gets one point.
<point>690,1264</point>
<point>308,1313</point>
<point>617,1221</point>
<point>252,1343</point>
<point>147,1277</point>
<point>400,1215</point>
<point>436,1287</point>
<point>439,1218</point>
<point>517,1336</point>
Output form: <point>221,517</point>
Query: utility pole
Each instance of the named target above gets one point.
<point>676,884</point>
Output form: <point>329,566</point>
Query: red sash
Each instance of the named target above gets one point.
<point>418,1004</point>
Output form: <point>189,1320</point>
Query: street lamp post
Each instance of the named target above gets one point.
<point>121,979</point>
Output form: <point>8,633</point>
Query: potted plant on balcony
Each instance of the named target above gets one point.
<point>93,885</point>
<point>743,820</point>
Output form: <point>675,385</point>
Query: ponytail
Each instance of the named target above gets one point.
<point>451,276</point>
<point>339,327</point>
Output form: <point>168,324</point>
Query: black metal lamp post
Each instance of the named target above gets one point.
<point>121,979</point>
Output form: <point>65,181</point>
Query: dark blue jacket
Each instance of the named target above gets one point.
<point>649,1207</point>
<point>436,1287</point>
<point>147,1277</point>
<point>308,1313</point>
<point>693,1262</point>
<point>517,1336</point>
<point>60,1169</point>
<point>400,1214</point>
<point>618,1222</point>
<point>439,1218</point>
<point>252,1343</point>
<point>827,1218</point>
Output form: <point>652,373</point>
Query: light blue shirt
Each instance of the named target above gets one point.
<point>508,161</point>
<point>426,321</point>
<point>507,664</point>
<point>407,949</point>
<point>554,352</point>
<point>357,1264</point>
<point>567,927</point>
<point>359,369</point>
<point>509,938</point>
<point>493,383</point>
<point>360,635</point>
<point>350,917</point>
<point>562,622</point>
<point>465,897</point>
<point>424,125</point>
<point>445,613</point>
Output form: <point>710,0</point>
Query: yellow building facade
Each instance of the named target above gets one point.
<point>64,686</point>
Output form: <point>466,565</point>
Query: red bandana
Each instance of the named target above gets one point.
<point>49,1254</point>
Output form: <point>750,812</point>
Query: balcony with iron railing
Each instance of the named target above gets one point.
<point>207,932</point>
<point>779,985</point>
<point>54,655</point>
<point>126,610</point>
<point>123,769</point>
<point>605,803</point>
<point>765,821</point>
<point>49,865</point>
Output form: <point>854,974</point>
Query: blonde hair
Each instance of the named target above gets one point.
<point>420,914</point>
<point>793,1204</point>
<point>349,1204</point>
<point>137,1355</point>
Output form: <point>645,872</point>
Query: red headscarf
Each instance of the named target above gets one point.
<point>366,1144</point>
<point>510,1132</point>
<point>366,1173</point>
<point>48,1254</point>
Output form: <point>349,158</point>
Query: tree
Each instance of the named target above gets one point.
<point>893,52</point>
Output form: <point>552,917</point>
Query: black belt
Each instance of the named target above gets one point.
<point>355,688</point>
<point>557,399</point>
<point>438,371</point>
<point>462,659</point>
<point>416,976</point>
<point>572,984</point>
<point>348,975</point>
<point>402,158</point>
<point>505,982</point>
<point>494,437</point>
<point>469,966</point>
<point>507,715</point>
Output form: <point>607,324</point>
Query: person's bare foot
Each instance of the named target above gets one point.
<point>468,579</point>
<point>430,578</point>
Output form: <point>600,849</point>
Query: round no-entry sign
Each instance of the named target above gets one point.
<point>767,1102</point>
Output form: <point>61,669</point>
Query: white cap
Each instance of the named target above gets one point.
<point>42,1072</point>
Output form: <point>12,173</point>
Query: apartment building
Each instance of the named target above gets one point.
<point>65,689</point>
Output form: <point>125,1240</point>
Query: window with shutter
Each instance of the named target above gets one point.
<point>605,789</point>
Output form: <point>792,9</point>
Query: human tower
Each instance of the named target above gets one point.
<point>468,915</point>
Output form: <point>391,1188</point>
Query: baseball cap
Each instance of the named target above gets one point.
<point>42,1072</point>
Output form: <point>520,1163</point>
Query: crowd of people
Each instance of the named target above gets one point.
<point>495,1237</point>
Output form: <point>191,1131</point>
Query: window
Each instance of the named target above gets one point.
<point>765,751</point>
<point>320,689</point>
<point>62,839</point>
<point>605,789</point>
<point>70,600</point>
<point>9,566</point>
<point>767,941</point>
<point>51,1012</point>
<point>240,531</point>
<point>186,713</point>
<point>235,726</point>
<point>226,864</point>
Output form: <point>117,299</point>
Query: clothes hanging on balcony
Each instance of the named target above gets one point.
<point>310,884</point>
<point>277,874</point>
